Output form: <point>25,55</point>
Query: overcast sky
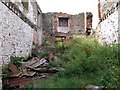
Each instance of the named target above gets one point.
<point>70,7</point>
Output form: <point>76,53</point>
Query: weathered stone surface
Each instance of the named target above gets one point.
<point>62,29</point>
<point>48,22</point>
<point>109,28</point>
<point>16,36</point>
<point>78,23</point>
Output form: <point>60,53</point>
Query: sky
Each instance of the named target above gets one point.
<point>71,7</point>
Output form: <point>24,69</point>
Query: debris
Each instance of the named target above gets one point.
<point>16,72</point>
<point>38,63</point>
<point>39,77</point>
<point>93,87</point>
<point>17,81</point>
<point>35,66</point>
<point>27,63</point>
<point>30,70</point>
<point>45,70</point>
<point>27,73</point>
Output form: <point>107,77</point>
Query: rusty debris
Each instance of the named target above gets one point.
<point>15,81</point>
<point>14,70</point>
<point>17,73</point>
<point>41,66</point>
<point>45,70</point>
<point>28,71</point>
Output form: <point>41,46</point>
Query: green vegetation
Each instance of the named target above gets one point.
<point>84,61</point>
<point>16,60</point>
<point>39,53</point>
<point>5,71</point>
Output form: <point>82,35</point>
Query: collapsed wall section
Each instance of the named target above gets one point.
<point>16,36</point>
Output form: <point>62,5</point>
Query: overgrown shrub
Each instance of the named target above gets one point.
<point>85,62</point>
<point>85,57</point>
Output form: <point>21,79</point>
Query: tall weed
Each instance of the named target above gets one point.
<point>85,57</point>
<point>85,61</point>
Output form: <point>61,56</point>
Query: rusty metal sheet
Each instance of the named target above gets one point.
<point>16,81</point>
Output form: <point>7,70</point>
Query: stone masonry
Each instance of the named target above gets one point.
<point>76,23</point>
<point>18,32</point>
<point>108,28</point>
<point>16,35</point>
<point>65,25</point>
<point>20,28</point>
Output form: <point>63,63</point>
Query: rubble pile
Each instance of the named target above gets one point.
<point>37,66</point>
<point>28,71</point>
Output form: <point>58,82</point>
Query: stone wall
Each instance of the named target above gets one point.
<point>107,30</point>
<point>16,36</point>
<point>62,29</point>
<point>78,23</point>
<point>107,7</point>
<point>64,26</point>
<point>28,8</point>
<point>48,22</point>
<point>30,12</point>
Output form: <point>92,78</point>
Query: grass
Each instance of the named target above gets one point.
<point>84,61</point>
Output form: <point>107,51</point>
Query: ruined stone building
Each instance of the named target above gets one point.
<point>108,27</point>
<point>22,24</point>
<point>64,26</point>
<point>20,27</point>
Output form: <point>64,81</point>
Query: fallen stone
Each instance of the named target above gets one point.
<point>93,87</point>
